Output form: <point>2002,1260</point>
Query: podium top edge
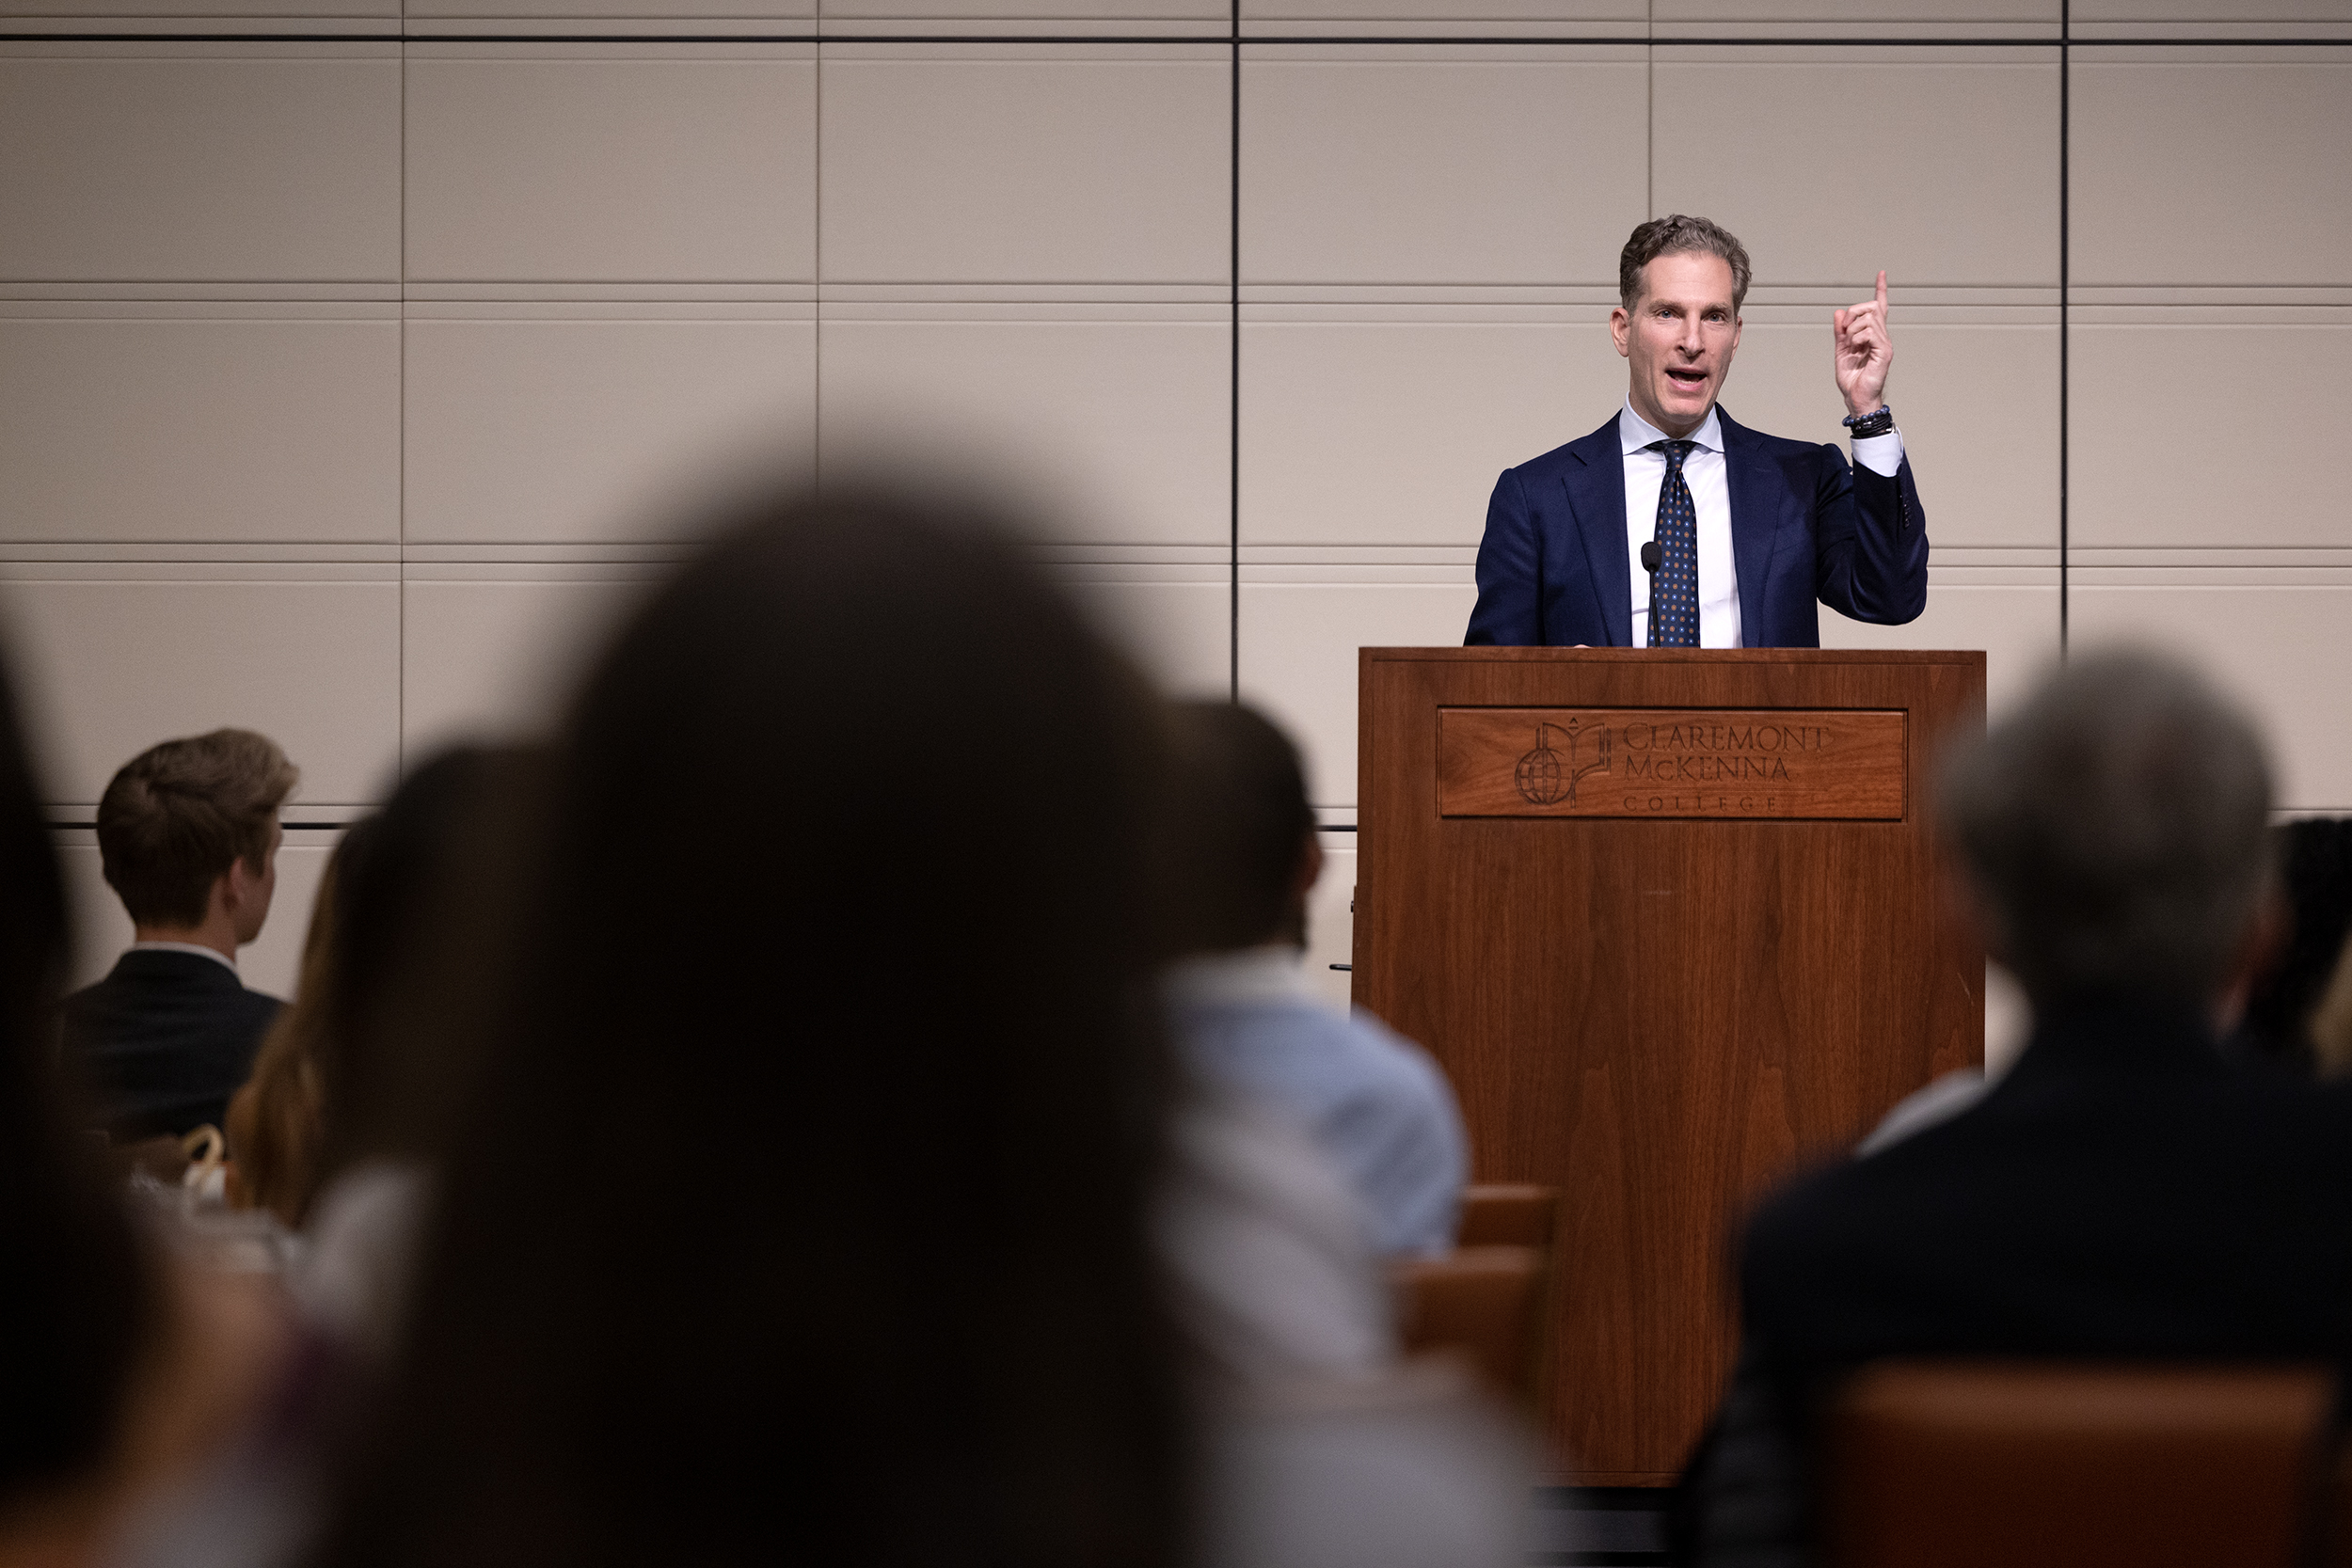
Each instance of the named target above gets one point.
<point>1674,656</point>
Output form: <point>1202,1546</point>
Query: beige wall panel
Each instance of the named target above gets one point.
<point>1979,410</point>
<point>1298,642</point>
<point>113,666</point>
<point>682,10</point>
<point>1438,10</point>
<point>2162,419</point>
<point>1865,11</point>
<point>1392,432</point>
<point>2212,10</point>
<point>271,963</point>
<point>1971,199</point>
<point>1022,169</point>
<point>1180,632</point>
<point>1120,429</point>
<point>128,429</point>
<point>2280,648</point>
<point>95,8</point>
<point>611,169</point>
<point>1042,10</point>
<point>497,659</point>
<point>583,431</point>
<point>268,166</point>
<point>1381,170</point>
<point>2213,173</point>
<point>1330,920</point>
<point>2015,624</point>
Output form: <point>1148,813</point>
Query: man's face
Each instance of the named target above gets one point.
<point>1679,337</point>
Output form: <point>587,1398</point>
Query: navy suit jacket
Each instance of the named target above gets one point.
<point>1554,567</point>
<point>164,1040</point>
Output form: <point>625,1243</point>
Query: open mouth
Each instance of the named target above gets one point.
<point>1693,380</point>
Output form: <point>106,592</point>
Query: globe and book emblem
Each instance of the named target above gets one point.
<point>1547,776</point>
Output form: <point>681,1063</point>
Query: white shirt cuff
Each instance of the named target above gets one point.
<point>1880,454</point>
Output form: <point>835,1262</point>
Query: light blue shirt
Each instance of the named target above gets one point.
<point>1374,1103</point>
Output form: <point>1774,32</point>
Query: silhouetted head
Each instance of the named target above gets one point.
<point>804,1207</point>
<point>408,940</point>
<point>76,1297</point>
<point>2116,828</point>
<point>1242,848</point>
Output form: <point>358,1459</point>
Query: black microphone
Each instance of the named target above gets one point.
<point>1651,554</point>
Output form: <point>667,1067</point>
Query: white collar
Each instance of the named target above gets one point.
<point>1634,432</point>
<point>212,953</point>
<point>1275,972</point>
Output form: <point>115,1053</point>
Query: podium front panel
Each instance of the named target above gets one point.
<point>1670,922</point>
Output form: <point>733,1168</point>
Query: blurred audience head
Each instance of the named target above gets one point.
<point>79,1298</point>
<point>190,825</point>
<point>2115,829</point>
<point>423,926</point>
<point>805,1204</point>
<point>378,1053</point>
<point>1242,852</point>
<point>276,1121</point>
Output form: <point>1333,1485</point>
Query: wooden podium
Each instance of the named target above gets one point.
<point>1670,919</point>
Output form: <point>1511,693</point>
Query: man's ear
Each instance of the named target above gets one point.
<point>1966,906</point>
<point>2264,943</point>
<point>1620,324</point>
<point>236,887</point>
<point>1310,869</point>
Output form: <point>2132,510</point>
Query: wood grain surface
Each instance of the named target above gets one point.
<point>1797,764</point>
<point>1662,1016</point>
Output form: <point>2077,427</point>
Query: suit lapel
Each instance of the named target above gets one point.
<point>1754,530</point>
<point>1596,498</point>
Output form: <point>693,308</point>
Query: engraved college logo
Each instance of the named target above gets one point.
<point>1546,778</point>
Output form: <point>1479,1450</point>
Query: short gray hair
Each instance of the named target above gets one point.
<point>2117,828</point>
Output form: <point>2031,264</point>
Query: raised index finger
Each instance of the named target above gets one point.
<point>1882,291</point>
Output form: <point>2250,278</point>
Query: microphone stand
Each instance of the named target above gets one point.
<point>1651,554</point>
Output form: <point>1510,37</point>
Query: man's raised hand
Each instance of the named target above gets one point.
<point>1864,352</point>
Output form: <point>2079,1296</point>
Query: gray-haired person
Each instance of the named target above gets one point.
<point>2121,1190</point>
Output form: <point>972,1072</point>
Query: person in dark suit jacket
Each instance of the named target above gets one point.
<point>2124,1190</point>
<point>188,835</point>
<point>1751,530</point>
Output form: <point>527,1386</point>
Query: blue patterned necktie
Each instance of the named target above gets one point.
<point>1674,617</point>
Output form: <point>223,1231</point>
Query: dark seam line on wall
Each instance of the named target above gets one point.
<point>816,286</point>
<point>204,38</point>
<point>1233,548</point>
<point>1308,39</point>
<point>1495,42</point>
<point>2066,331</point>
<point>400,747</point>
<point>1498,40</point>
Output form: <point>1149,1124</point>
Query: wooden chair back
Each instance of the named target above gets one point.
<point>1512,1213</point>
<point>1482,1302</point>
<point>2033,1465</point>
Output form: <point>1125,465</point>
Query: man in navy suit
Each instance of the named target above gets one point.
<point>187,837</point>
<point>1751,530</point>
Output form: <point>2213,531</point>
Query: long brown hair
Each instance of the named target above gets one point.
<point>376,1056</point>
<point>275,1121</point>
<point>78,1297</point>
<point>806,1209</point>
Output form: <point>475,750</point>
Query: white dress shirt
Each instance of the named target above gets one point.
<point>198,948</point>
<point>1704,471</point>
